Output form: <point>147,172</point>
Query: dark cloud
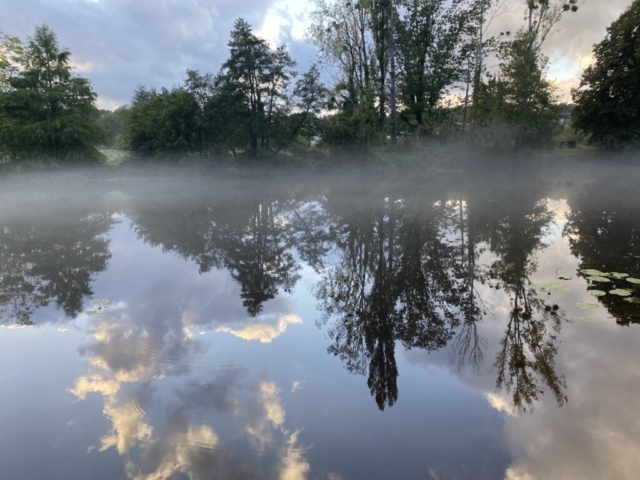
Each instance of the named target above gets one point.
<point>120,44</point>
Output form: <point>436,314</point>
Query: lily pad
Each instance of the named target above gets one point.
<point>586,306</point>
<point>591,272</point>
<point>555,286</point>
<point>621,293</point>
<point>540,297</point>
<point>635,300</point>
<point>590,319</point>
<point>100,302</point>
<point>635,281</point>
<point>618,276</point>
<point>564,277</point>
<point>598,279</point>
<point>596,293</point>
<point>98,311</point>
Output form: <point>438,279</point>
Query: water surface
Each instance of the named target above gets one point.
<point>339,326</point>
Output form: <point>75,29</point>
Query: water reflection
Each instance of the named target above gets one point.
<point>398,265</point>
<point>604,232</point>
<point>48,257</point>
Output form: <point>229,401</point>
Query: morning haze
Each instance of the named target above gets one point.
<point>370,239</point>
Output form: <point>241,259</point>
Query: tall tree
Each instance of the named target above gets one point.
<point>51,112</point>
<point>523,100</point>
<point>608,99</point>
<point>342,32</point>
<point>434,40</point>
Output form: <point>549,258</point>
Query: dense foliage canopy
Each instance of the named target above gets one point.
<point>46,110</point>
<point>608,99</point>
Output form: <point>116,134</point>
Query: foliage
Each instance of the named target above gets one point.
<point>608,99</point>
<point>434,43</point>
<point>113,123</point>
<point>253,105</point>
<point>47,111</point>
<point>518,107</point>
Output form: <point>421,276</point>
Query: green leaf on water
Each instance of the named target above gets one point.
<point>590,319</point>
<point>564,277</point>
<point>620,292</point>
<point>618,276</point>
<point>632,300</point>
<point>591,272</point>
<point>555,286</point>
<point>586,306</point>
<point>100,302</point>
<point>540,297</point>
<point>635,281</point>
<point>596,293</point>
<point>534,286</point>
<point>598,279</point>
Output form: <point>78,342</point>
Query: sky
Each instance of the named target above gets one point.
<point>121,44</point>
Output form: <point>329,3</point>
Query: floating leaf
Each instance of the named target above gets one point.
<point>618,276</point>
<point>596,293</point>
<point>586,306</point>
<point>540,297</point>
<point>621,293</point>
<point>590,319</point>
<point>591,272</point>
<point>598,279</point>
<point>635,281</point>
<point>564,277</point>
<point>100,302</point>
<point>98,311</point>
<point>555,286</point>
<point>534,286</point>
<point>632,300</point>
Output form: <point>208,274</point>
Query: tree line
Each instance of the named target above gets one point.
<point>387,72</point>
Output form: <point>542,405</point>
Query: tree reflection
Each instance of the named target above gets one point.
<point>51,257</point>
<point>253,236</point>
<point>390,285</point>
<point>528,349</point>
<point>408,273</point>
<point>604,232</point>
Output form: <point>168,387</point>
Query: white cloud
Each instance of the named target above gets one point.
<point>264,332</point>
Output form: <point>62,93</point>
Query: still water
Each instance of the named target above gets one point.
<point>345,326</point>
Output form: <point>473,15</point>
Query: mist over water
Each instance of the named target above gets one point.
<point>350,323</point>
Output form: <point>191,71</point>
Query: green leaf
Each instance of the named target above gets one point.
<point>621,293</point>
<point>618,276</point>
<point>596,293</point>
<point>555,286</point>
<point>598,279</point>
<point>590,272</point>
<point>564,277</point>
<point>586,306</point>
<point>635,281</point>
<point>100,302</point>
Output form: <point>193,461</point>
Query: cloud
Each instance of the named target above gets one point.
<point>120,44</point>
<point>570,44</point>
<point>262,331</point>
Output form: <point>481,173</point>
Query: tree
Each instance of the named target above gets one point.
<point>434,42</point>
<point>608,99</point>
<point>166,122</point>
<point>113,123</point>
<point>519,105</point>
<point>50,111</point>
<point>342,32</point>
